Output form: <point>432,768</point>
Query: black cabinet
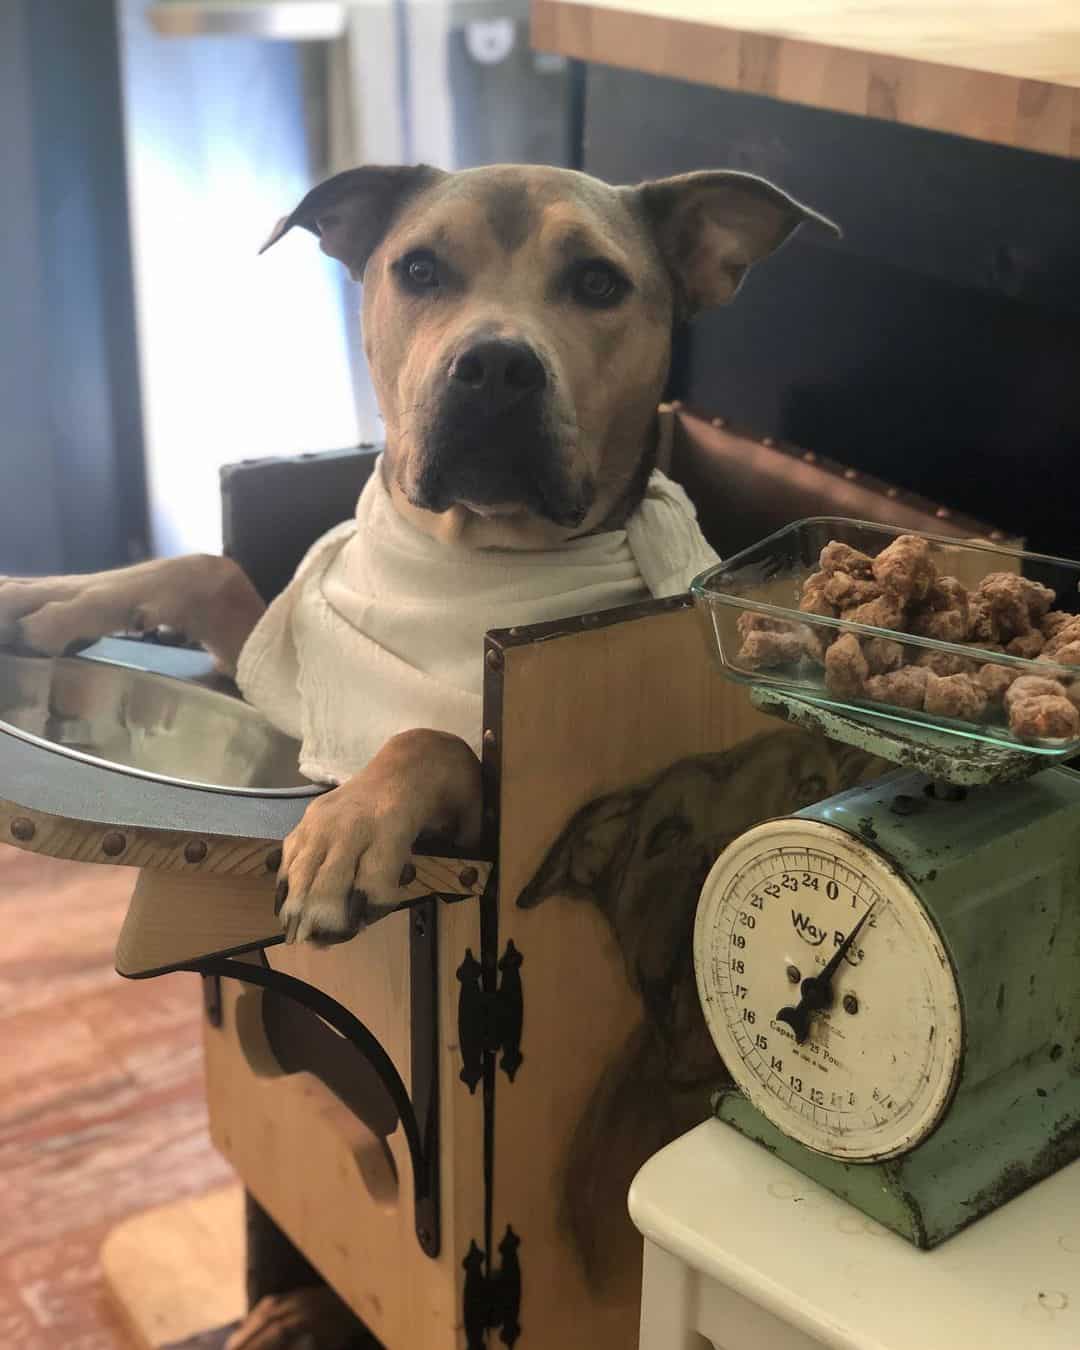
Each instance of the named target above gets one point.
<point>937,344</point>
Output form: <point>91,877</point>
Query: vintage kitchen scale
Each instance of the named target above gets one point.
<point>892,975</point>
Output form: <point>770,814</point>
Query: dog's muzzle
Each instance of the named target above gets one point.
<point>492,441</point>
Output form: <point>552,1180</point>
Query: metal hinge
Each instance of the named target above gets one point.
<point>489,1021</point>
<point>493,1299</point>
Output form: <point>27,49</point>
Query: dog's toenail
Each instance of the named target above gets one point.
<point>280,896</point>
<point>357,906</point>
<point>408,875</point>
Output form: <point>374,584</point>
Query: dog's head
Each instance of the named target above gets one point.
<point>517,322</point>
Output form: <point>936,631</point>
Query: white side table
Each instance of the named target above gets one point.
<point>744,1252</point>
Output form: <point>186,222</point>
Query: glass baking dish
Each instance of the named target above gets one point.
<point>750,606</point>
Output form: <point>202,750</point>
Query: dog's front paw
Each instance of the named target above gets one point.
<point>342,867</point>
<point>49,614</point>
<point>344,864</point>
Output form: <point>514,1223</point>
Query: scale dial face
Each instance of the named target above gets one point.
<point>879,1063</point>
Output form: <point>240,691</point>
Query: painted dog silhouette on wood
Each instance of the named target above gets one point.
<point>641,857</point>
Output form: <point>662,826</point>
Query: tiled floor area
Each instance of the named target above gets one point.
<point>101,1107</point>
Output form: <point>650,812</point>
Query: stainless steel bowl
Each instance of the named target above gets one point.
<point>148,725</point>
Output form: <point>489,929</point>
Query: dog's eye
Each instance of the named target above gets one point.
<point>420,271</point>
<point>598,283</point>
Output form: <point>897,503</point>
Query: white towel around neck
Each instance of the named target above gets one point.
<point>382,627</point>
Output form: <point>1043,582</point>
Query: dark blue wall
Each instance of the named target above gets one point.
<point>70,424</point>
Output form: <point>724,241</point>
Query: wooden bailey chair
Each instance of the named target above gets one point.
<point>443,1115</point>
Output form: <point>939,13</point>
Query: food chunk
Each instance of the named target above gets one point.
<point>846,668</point>
<point>906,688</point>
<point>959,696</point>
<point>837,557</point>
<point>995,680</point>
<point>1027,645</point>
<point>764,648</point>
<point>1032,686</point>
<point>843,590</point>
<point>948,593</point>
<point>887,611</point>
<point>1057,619</point>
<point>1045,718</point>
<point>1041,709</point>
<point>883,655</point>
<point>945,663</point>
<point>982,623</point>
<point>905,569</point>
<point>750,621</point>
<point>1017,604</point>
<point>947,625</point>
<point>1067,654</point>
<point>814,600</point>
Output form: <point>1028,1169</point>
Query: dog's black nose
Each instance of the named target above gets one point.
<point>499,372</point>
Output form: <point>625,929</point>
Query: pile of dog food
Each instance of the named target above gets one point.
<point>901,590</point>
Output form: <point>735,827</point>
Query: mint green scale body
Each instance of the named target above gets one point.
<point>999,876</point>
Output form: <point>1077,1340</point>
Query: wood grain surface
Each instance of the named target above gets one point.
<point>102,1113</point>
<point>993,70</point>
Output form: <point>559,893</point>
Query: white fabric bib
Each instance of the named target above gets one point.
<point>382,628</point>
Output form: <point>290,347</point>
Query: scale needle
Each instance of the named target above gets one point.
<point>817,989</point>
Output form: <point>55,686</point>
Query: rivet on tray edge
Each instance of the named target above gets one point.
<point>113,844</point>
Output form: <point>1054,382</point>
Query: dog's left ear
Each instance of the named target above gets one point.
<point>353,210</point>
<point>712,227</point>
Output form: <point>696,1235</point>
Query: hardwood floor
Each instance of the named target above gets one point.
<point>101,1105</point>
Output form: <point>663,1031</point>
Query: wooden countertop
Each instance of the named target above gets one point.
<point>994,70</point>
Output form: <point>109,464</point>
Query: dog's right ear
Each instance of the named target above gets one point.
<point>352,211</point>
<point>712,227</point>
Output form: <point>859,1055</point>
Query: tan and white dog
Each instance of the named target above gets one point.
<point>517,322</point>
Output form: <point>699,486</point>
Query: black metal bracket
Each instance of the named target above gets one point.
<point>490,1020</point>
<point>212,999</point>
<point>424,1038</point>
<point>493,1297</point>
<point>419,1114</point>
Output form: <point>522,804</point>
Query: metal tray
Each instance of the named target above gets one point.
<point>147,725</point>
